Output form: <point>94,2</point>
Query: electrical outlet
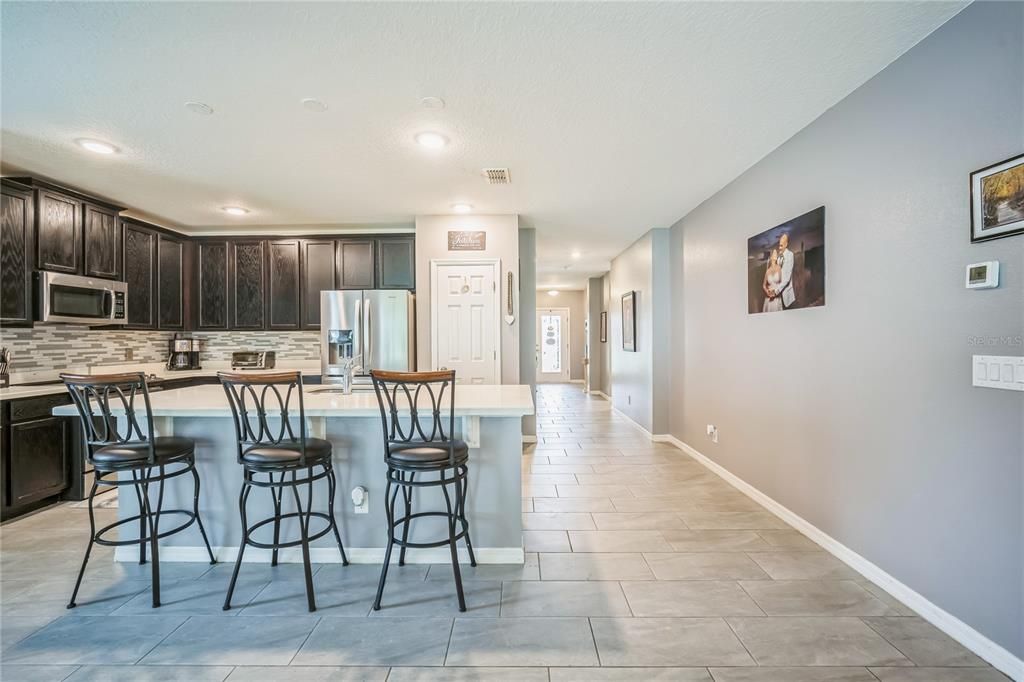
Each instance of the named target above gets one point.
<point>360,500</point>
<point>713,433</point>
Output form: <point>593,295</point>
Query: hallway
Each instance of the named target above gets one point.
<point>674,567</point>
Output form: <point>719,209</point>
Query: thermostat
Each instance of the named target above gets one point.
<point>983,275</point>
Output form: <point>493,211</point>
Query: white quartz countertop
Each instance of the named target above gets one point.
<point>159,369</point>
<point>507,400</point>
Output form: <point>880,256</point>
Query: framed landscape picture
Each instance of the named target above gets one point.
<point>629,321</point>
<point>997,200</point>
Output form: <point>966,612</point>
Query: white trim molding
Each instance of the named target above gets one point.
<point>634,423</point>
<point>604,395</point>
<point>998,656</point>
<point>529,439</point>
<point>326,555</point>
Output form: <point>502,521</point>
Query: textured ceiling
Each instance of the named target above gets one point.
<point>613,118</point>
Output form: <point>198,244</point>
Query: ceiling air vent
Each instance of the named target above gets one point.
<point>497,176</point>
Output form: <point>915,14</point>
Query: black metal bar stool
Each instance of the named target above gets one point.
<point>409,451</point>
<point>150,460</point>
<point>257,400</point>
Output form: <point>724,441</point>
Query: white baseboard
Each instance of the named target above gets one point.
<point>575,381</point>
<point>326,555</point>
<point>602,394</point>
<point>634,423</point>
<point>999,657</point>
<point>529,439</point>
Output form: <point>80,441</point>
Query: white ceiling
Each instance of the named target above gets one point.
<point>613,117</point>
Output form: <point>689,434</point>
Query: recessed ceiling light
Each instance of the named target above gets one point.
<point>462,208</point>
<point>199,108</point>
<point>433,103</point>
<point>313,104</point>
<point>576,255</point>
<point>431,140</point>
<point>235,210</point>
<point>552,292</point>
<point>96,146</point>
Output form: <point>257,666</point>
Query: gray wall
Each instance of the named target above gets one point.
<point>606,348</point>
<point>860,416</point>
<point>502,243</point>
<point>637,390</point>
<point>595,305</point>
<point>527,314</point>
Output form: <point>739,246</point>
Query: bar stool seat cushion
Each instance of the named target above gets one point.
<point>287,453</point>
<point>429,455</point>
<point>166,448</point>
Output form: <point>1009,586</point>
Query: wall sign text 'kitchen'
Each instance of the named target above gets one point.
<point>467,240</point>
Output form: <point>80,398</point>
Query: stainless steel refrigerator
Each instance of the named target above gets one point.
<point>377,327</point>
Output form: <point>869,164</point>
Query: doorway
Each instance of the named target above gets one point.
<point>553,362</point>
<point>464,323</point>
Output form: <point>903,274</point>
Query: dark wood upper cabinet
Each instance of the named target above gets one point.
<point>59,232</point>
<point>355,264</point>
<point>212,285</point>
<point>317,275</point>
<point>283,297</point>
<point>170,283</point>
<point>248,293</point>
<point>17,210</point>
<point>140,247</point>
<point>102,242</point>
<point>396,263</point>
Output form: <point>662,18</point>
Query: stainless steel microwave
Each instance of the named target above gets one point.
<point>73,299</point>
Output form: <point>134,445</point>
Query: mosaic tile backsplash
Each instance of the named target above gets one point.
<point>56,347</point>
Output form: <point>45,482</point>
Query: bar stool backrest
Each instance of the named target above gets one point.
<point>404,397</point>
<point>258,399</point>
<point>97,396</point>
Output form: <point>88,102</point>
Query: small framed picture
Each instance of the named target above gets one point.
<point>629,321</point>
<point>604,327</point>
<point>997,200</point>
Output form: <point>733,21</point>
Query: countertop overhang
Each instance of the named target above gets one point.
<point>504,400</point>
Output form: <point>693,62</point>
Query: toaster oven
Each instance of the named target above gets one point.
<point>247,359</point>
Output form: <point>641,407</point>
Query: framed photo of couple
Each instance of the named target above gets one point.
<point>786,265</point>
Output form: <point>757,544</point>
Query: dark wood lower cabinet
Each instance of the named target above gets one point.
<point>35,453</point>
<point>38,459</point>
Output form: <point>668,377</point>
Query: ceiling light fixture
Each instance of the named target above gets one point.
<point>235,210</point>
<point>199,108</point>
<point>553,292</point>
<point>313,104</point>
<point>462,208</point>
<point>96,146</point>
<point>431,140</point>
<point>576,255</point>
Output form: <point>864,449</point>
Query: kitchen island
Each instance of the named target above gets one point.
<point>488,418</point>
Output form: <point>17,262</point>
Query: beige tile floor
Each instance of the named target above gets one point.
<point>641,565</point>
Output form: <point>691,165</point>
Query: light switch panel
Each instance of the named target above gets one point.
<point>993,371</point>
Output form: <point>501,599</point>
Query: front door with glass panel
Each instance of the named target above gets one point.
<point>553,344</point>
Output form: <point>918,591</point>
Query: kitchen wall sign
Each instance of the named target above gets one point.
<point>467,240</point>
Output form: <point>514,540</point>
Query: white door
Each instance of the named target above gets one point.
<point>553,345</point>
<point>464,321</point>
